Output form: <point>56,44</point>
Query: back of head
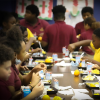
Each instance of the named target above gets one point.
<point>33,9</point>
<point>97,32</point>
<point>13,39</point>
<point>4,17</point>
<point>16,16</point>
<point>87,9</point>
<point>89,21</point>
<point>59,12</point>
<point>6,54</point>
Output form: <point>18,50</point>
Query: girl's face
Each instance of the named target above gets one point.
<point>86,26</point>
<point>5,70</point>
<point>22,53</point>
<point>25,36</point>
<point>10,23</point>
<point>96,41</point>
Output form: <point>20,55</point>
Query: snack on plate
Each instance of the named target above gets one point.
<point>93,84</point>
<point>96,94</point>
<point>44,52</point>
<point>49,60</point>
<point>95,71</point>
<point>40,61</point>
<point>57,98</point>
<point>89,77</point>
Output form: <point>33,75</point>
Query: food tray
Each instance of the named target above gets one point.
<point>93,87</point>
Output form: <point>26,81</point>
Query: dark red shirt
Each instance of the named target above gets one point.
<point>38,28</point>
<point>14,79</point>
<point>59,35</point>
<point>85,36</point>
<point>79,28</point>
<point>4,91</point>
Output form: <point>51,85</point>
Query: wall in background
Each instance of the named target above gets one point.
<point>9,5</point>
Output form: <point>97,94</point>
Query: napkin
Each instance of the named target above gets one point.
<point>57,75</point>
<point>64,88</point>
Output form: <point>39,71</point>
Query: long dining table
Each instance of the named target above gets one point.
<point>68,78</point>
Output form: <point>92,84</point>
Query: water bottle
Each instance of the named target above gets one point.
<point>26,91</point>
<point>47,76</point>
<point>56,84</point>
<point>41,74</point>
<point>55,57</point>
<point>83,63</point>
<point>30,61</point>
<point>67,53</point>
<point>64,50</point>
<point>78,59</point>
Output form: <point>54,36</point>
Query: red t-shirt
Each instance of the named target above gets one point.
<point>14,79</point>
<point>59,35</point>
<point>38,28</point>
<point>79,28</point>
<point>85,36</point>
<point>4,91</point>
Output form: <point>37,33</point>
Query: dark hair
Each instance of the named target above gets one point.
<point>6,54</point>
<point>34,9</point>
<point>59,11</point>
<point>4,17</point>
<point>87,9</point>
<point>91,21</point>
<point>15,15</point>
<point>13,39</point>
<point>97,32</point>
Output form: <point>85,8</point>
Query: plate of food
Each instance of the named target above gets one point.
<point>92,85</point>
<point>39,56</point>
<point>95,93</point>
<point>89,78</point>
<point>25,72</point>
<point>83,72</point>
<point>95,72</point>
<point>50,89</point>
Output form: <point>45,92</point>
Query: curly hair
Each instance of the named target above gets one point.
<point>33,9</point>
<point>97,32</point>
<point>59,11</point>
<point>87,9</point>
<point>6,54</point>
<point>13,39</point>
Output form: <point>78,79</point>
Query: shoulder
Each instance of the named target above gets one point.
<point>43,21</point>
<point>80,23</point>
<point>22,21</point>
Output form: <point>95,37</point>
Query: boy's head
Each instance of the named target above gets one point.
<point>87,12</point>
<point>25,33</point>
<point>32,12</point>
<point>96,38</point>
<point>16,17</point>
<point>6,56</point>
<point>7,20</point>
<point>59,12</point>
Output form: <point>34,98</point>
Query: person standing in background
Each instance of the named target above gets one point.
<point>37,26</point>
<point>86,12</point>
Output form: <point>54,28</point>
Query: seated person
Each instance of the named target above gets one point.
<point>59,34</point>
<point>86,12</point>
<point>5,72</point>
<point>14,40</point>
<point>95,45</point>
<point>90,25</point>
<point>36,26</point>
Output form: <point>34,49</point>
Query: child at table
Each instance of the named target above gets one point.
<point>95,45</point>
<point>14,40</point>
<point>90,25</point>
<point>86,12</point>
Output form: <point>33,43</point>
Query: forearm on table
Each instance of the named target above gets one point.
<point>95,62</point>
<point>82,43</point>
<point>31,96</point>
